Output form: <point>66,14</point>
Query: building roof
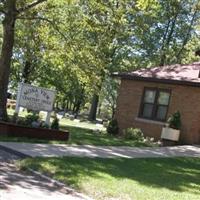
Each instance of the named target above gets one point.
<point>174,74</point>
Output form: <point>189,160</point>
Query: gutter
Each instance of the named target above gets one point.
<point>124,76</point>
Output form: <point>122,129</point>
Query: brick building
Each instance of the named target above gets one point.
<point>147,97</point>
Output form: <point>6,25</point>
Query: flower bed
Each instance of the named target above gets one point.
<point>13,130</point>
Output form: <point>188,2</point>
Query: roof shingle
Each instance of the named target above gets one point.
<point>170,73</point>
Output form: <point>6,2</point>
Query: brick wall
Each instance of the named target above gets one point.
<point>186,99</point>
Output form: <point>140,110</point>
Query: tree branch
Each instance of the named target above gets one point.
<point>168,38</point>
<point>188,34</point>
<point>47,20</point>
<point>28,7</point>
<point>2,9</point>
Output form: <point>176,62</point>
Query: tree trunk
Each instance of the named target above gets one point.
<point>77,107</point>
<point>168,37</point>
<point>67,105</point>
<point>26,72</point>
<point>74,108</point>
<point>6,54</point>
<point>113,111</point>
<point>63,104</point>
<point>99,110</point>
<point>187,37</point>
<point>93,109</point>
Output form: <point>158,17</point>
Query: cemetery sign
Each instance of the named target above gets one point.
<point>35,98</point>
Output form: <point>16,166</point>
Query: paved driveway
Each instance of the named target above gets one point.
<point>6,156</point>
<point>15,184</point>
<point>51,150</point>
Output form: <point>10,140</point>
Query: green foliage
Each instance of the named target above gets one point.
<point>44,125</point>
<point>33,120</point>
<point>55,124</point>
<point>14,117</point>
<point>113,128</point>
<point>85,41</point>
<point>83,136</point>
<point>133,134</point>
<point>175,120</point>
<point>136,134</point>
<point>108,97</point>
<point>30,118</point>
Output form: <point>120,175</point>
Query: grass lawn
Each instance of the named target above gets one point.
<point>65,121</point>
<point>81,133</point>
<point>84,124</point>
<point>125,179</point>
<point>82,136</point>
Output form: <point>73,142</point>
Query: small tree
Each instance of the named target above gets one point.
<point>55,124</point>
<point>175,120</point>
<point>113,128</point>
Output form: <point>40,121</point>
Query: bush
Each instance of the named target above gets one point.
<point>55,124</point>
<point>15,117</point>
<point>175,120</point>
<point>44,125</point>
<point>13,106</point>
<point>113,128</point>
<point>149,140</point>
<point>105,123</point>
<point>133,134</point>
<point>53,114</point>
<point>29,119</point>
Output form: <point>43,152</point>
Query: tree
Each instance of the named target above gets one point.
<point>108,98</point>
<point>46,53</point>
<point>162,32</point>
<point>10,11</point>
<point>74,47</point>
<point>27,53</point>
<point>107,33</point>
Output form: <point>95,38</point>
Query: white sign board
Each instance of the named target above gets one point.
<point>35,98</point>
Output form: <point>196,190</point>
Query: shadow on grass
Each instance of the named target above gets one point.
<point>86,136</point>
<point>178,174</point>
<point>81,136</point>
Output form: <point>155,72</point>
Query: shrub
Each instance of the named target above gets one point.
<point>133,134</point>
<point>13,106</point>
<point>175,120</point>
<point>53,114</point>
<point>44,125</point>
<point>113,128</point>
<point>148,140</point>
<point>105,123</point>
<point>29,119</point>
<point>55,124</point>
<point>15,117</point>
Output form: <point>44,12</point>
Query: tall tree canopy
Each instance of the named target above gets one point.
<point>73,46</point>
<point>10,10</point>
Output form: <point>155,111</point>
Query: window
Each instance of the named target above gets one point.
<point>155,104</point>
